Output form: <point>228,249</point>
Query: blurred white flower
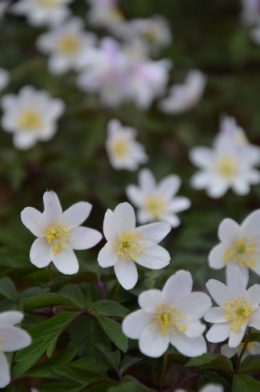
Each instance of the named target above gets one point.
<point>250,14</point>
<point>226,165</point>
<point>68,45</point>
<point>105,13</point>
<point>123,150</point>
<point>11,339</point>
<point>252,348</point>
<point>4,78</point>
<point>127,245</point>
<point>31,116</point>
<point>240,245</point>
<point>39,12</point>
<point>59,233</point>
<point>212,388</point>
<point>157,202</point>
<point>184,96</point>
<point>3,7</point>
<point>238,308</point>
<point>170,316</point>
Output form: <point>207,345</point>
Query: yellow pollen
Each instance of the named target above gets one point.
<point>151,34</point>
<point>129,245</point>
<point>243,252</point>
<point>48,3</point>
<point>30,120</point>
<point>2,340</point>
<point>238,312</point>
<point>155,205</point>
<point>227,167</point>
<point>57,236</point>
<point>121,149</point>
<point>69,44</point>
<point>117,14</point>
<point>169,320</point>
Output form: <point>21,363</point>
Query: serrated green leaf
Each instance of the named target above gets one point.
<point>128,362</point>
<point>7,288</point>
<point>32,292</point>
<point>211,361</point>
<point>112,358</point>
<point>74,294</point>
<point>46,300</point>
<point>114,332</point>
<point>245,383</point>
<point>129,384</point>
<point>109,308</point>
<point>74,373</point>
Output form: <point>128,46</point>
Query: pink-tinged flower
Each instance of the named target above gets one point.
<point>127,245</point>
<point>238,308</point>
<point>170,316</point>
<point>58,233</point>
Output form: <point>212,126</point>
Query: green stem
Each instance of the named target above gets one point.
<point>248,336</point>
<point>116,291</point>
<point>165,360</point>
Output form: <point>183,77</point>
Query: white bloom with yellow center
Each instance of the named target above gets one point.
<point>157,202</point>
<point>59,233</point>
<point>128,245</point>
<point>31,116</point>
<point>4,78</point>
<point>12,338</point>
<point>170,316</point>
<point>123,150</point>
<point>40,12</point>
<point>68,45</point>
<point>239,246</point>
<point>238,308</point>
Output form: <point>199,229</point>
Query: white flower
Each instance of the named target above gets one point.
<point>238,308</point>
<point>170,316</point>
<point>157,202</point>
<point>250,12</point>
<point>68,45</point>
<point>207,388</point>
<point>11,339</point>
<point>31,116</point>
<point>40,12</point>
<point>127,245</point>
<point>59,233</point>
<point>184,96</point>
<point>240,245</point>
<point>224,166</point>
<point>252,348</point>
<point>4,78</point>
<point>123,150</point>
<point>105,13</point>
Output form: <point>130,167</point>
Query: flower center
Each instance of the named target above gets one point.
<point>117,14</point>
<point>151,34</point>
<point>121,149</point>
<point>227,167</point>
<point>155,205</point>
<point>69,44</point>
<point>129,245</point>
<point>243,252</point>
<point>168,319</point>
<point>30,120</point>
<point>238,312</point>
<point>57,236</point>
<point>47,3</point>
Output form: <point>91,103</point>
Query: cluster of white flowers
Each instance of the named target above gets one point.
<point>250,16</point>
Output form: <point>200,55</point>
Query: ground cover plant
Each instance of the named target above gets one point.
<point>129,196</point>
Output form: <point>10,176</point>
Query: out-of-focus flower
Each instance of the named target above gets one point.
<point>157,202</point>
<point>127,245</point>
<point>11,339</point>
<point>39,12</point>
<point>252,348</point>
<point>4,78</point>
<point>250,12</point>
<point>240,245</point>
<point>207,388</point>
<point>59,233</point>
<point>105,13</point>
<point>226,165</point>
<point>238,308</point>
<point>184,96</point>
<point>31,116</point>
<point>123,150</point>
<point>68,45</point>
<point>170,316</point>
<point>3,7</point>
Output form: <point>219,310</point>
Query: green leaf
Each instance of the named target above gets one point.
<point>7,288</point>
<point>245,383</point>
<point>211,361</point>
<point>32,292</point>
<point>74,294</point>
<point>61,387</point>
<point>129,384</point>
<point>46,300</point>
<point>74,373</point>
<point>250,364</point>
<point>114,332</point>
<point>127,362</point>
<point>109,308</point>
<point>112,358</point>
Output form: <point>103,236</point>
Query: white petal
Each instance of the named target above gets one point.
<point>253,295</point>
<point>236,337</point>
<point>194,328</point>
<point>172,219</point>
<point>13,339</point>
<point>32,219</point>
<point>126,273</point>
<point>235,282</point>
<point>124,217</point>
<point>177,286</point>
<point>201,156</point>
<point>107,256</point>
<point>191,347</point>
<point>244,271</point>
<point>193,305</point>
<point>152,344</point>
<point>251,225</point>
<point>154,257</point>
<point>216,256</point>
<point>218,333</point>
<point>84,238</point>
<point>154,232</point>
<point>109,228</point>
<point>169,186</point>
<point>10,317</point>
<point>241,186</point>
<point>5,377</point>
<point>228,351</point>
<point>143,216</point>
<point>146,181</point>
<point>215,315</point>
<point>52,208</point>
<point>218,189</point>
<point>76,214</point>
<point>135,195</point>
<point>254,320</point>
<point>179,204</point>
<point>228,231</point>
<point>135,323</point>
<point>201,180</point>
<point>218,291</point>
<point>66,262</point>
<point>149,300</point>
<point>40,253</point>
<point>24,140</point>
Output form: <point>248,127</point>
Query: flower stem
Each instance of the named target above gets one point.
<point>248,336</point>
<point>101,287</point>
<point>116,291</point>
<point>165,360</point>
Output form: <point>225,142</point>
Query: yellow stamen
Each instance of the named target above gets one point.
<point>30,120</point>
<point>69,44</point>
<point>151,34</point>
<point>169,320</point>
<point>238,312</point>
<point>155,205</point>
<point>121,149</point>
<point>227,167</point>
<point>129,245</point>
<point>57,236</point>
<point>243,252</point>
